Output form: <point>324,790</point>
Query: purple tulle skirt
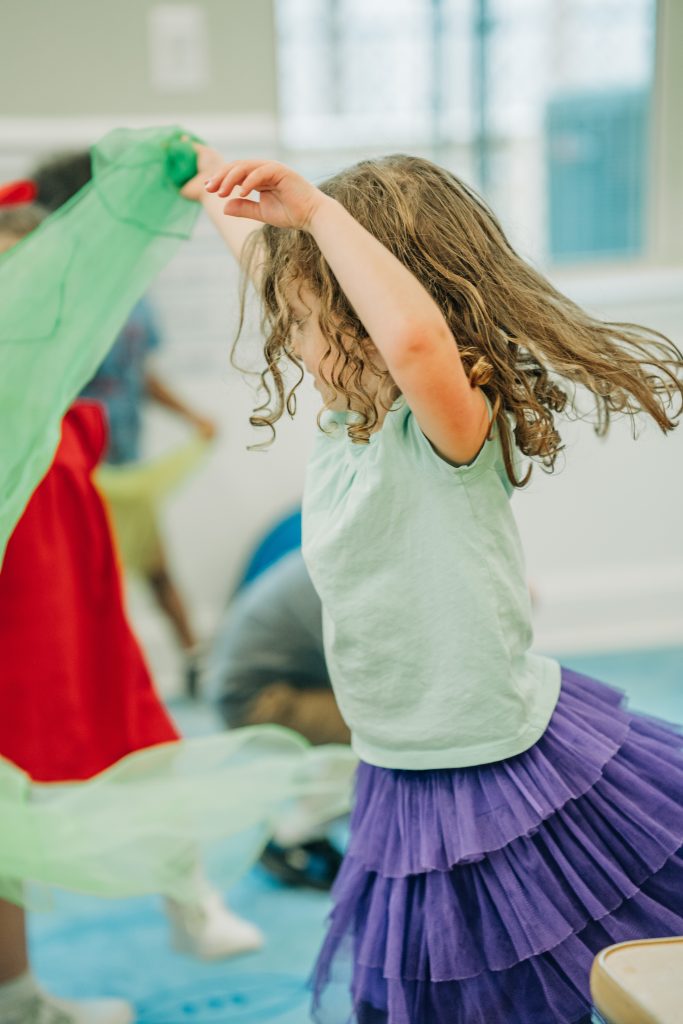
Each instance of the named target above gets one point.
<point>481,895</point>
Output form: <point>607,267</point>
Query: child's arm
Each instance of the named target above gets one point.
<point>233,230</point>
<point>399,315</point>
<point>158,390</point>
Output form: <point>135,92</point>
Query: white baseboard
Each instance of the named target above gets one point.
<point>35,135</point>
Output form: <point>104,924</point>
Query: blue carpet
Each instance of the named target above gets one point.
<point>92,948</point>
<point>653,680</point>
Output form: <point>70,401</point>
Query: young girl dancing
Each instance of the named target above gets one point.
<point>512,817</point>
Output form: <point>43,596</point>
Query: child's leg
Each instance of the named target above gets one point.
<point>206,928</point>
<point>169,599</point>
<point>13,948</point>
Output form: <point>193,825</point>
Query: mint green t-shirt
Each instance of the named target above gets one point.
<point>426,612</point>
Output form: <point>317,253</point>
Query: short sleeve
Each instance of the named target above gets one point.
<point>422,448</point>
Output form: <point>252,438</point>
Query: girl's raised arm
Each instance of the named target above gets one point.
<point>397,312</point>
<point>233,230</point>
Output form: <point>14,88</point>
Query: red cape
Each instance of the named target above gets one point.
<point>75,692</point>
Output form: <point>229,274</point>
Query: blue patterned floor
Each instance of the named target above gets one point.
<point>90,947</point>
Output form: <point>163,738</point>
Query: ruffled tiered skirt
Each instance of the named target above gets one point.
<point>481,895</point>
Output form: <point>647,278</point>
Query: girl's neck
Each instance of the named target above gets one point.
<point>381,410</point>
<point>384,400</point>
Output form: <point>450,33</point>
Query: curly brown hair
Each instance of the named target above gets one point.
<point>524,343</point>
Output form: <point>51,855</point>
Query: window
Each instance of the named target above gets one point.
<point>541,104</point>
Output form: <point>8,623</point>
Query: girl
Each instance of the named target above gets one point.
<point>512,817</point>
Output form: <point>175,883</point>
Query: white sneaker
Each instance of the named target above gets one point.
<point>46,1009</point>
<point>209,930</point>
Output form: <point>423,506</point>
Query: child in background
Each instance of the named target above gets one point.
<point>75,692</point>
<point>267,664</point>
<point>512,817</point>
<point>65,712</point>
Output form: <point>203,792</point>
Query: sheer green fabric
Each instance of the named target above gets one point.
<point>143,825</point>
<point>68,287</point>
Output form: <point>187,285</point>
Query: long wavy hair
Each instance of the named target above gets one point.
<point>524,343</point>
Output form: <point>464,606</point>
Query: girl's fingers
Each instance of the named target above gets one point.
<point>235,173</point>
<point>237,207</point>
<point>258,179</point>
<point>215,184</point>
<point>248,174</point>
<point>216,180</point>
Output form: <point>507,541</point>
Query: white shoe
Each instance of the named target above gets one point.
<point>46,1009</point>
<point>208,930</point>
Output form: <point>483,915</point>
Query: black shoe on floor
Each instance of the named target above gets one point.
<point>313,864</point>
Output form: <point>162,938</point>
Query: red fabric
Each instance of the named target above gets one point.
<point>16,192</point>
<point>75,692</point>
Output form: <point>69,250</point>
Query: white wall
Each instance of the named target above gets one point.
<point>603,536</point>
<point>88,57</point>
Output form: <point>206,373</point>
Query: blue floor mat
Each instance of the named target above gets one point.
<point>92,948</point>
<point>653,680</point>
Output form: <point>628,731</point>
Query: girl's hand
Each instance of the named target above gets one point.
<point>286,200</point>
<point>208,162</point>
